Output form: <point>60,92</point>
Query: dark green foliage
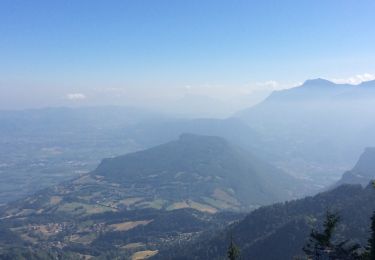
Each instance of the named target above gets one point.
<point>233,251</point>
<point>166,228</point>
<point>371,242</point>
<point>321,245</point>
<point>164,225</point>
<point>35,253</point>
<point>320,242</point>
<point>280,231</point>
<point>7,237</point>
<point>369,254</point>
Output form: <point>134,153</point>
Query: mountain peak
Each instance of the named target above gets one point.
<point>318,82</point>
<point>369,84</point>
<point>195,137</point>
<point>203,169</point>
<point>364,170</point>
<point>366,162</point>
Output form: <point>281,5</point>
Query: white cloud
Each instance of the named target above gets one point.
<point>357,79</point>
<point>271,84</point>
<point>76,96</point>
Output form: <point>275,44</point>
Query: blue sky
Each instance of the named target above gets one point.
<point>151,49</point>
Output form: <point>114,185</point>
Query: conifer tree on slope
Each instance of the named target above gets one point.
<point>370,252</point>
<point>233,251</point>
<point>371,241</point>
<point>320,242</point>
<point>320,245</point>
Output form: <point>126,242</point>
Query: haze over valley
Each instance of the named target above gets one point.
<point>187,130</point>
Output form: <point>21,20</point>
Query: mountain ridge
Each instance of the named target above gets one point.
<point>315,125</point>
<point>200,163</point>
<point>285,227</point>
<point>362,172</point>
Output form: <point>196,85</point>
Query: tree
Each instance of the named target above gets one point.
<point>321,246</point>
<point>369,254</point>
<point>320,243</point>
<point>233,251</point>
<point>371,241</point>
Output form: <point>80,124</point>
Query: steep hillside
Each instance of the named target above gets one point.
<point>280,231</point>
<point>207,170</point>
<point>363,171</point>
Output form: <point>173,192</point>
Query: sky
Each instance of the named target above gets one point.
<point>144,52</point>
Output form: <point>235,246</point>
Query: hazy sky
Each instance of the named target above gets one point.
<point>118,52</point>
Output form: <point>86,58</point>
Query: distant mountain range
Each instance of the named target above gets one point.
<point>178,186</point>
<point>321,89</point>
<point>313,132</point>
<point>319,127</point>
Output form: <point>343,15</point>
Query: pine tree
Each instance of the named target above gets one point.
<point>320,243</point>
<point>321,246</point>
<point>369,254</point>
<point>233,251</point>
<point>371,241</point>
